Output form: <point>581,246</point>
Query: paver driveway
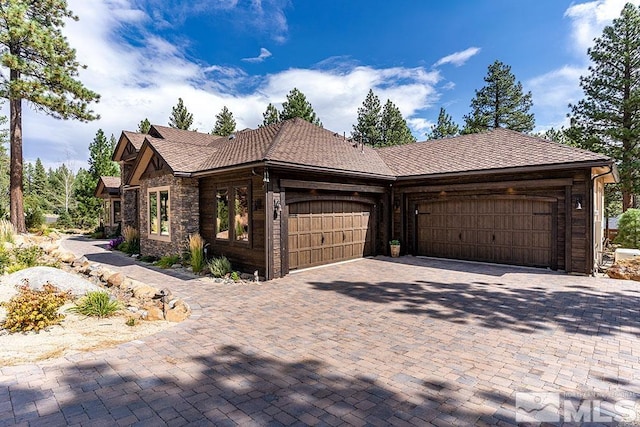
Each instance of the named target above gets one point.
<point>409,342</point>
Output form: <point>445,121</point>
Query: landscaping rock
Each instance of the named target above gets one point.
<point>625,269</point>
<point>153,312</point>
<point>140,290</point>
<point>179,312</point>
<point>116,280</point>
<point>38,276</point>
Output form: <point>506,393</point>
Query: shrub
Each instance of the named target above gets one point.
<point>629,229</point>
<point>96,304</point>
<point>235,276</point>
<point>168,261</point>
<point>219,267</point>
<point>64,220</point>
<point>33,216</point>
<point>7,231</point>
<point>33,310</point>
<point>28,256</point>
<point>196,248</point>
<point>148,258</point>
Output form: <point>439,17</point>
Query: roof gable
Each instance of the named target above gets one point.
<point>128,146</point>
<point>108,185</point>
<point>487,151</point>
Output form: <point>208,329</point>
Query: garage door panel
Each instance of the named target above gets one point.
<point>512,231</point>
<point>322,232</point>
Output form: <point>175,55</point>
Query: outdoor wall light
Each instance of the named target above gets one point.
<point>277,207</point>
<point>579,203</point>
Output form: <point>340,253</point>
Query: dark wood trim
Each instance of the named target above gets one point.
<point>568,244</point>
<point>268,230</point>
<point>540,183</point>
<point>296,198</point>
<point>554,236</point>
<point>486,196</point>
<point>333,186</point>
<point>284,232</point>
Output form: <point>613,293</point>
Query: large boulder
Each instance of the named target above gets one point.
<point>36,277</point>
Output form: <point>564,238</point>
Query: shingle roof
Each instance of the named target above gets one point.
<point>296,142</point>
<point>183,136</point>
<point>111,182</point>
<point>135,138</point>
<point>491,150</point>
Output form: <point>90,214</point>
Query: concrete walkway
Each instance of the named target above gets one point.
<point>371,342</point>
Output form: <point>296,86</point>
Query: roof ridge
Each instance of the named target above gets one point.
<point>275,140</point>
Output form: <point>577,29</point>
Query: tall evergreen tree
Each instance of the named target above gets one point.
<point>445,127</point>
<point>4,170</point>
<point>180,117</point>
<point>393,127</point>
<point>100,152</point>
<point>39,179</point>
<point>500,103</point>
<point>27,173</point>
<point>367,128</point>
<point>43,70</point>
<point>225,123</point>
<point>607,120</point>
<point>144,126</point>
<point>297,105</point>
<point>270,116</point>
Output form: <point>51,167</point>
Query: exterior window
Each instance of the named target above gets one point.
<point>107,212</point>
<point>241,214</point>
<point>159,217</point>
<point>117,212</point>
<point>222,209</point>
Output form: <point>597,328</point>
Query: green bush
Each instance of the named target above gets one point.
<point>219,267</point>
<point>629,229</point>
<point>235,276</point>
<point>33,310</point>
<point>33,217</point>
<point>167,261</point>
<point>96,304</point>
<point>28,256</point>
<point>64,220</point>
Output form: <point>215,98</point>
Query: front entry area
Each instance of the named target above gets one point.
<point>327,231</point>
<point>505,230</point>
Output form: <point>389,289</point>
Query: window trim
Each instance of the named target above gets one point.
<point>158,236</point>
<point>231,197</point>
<point>113,212</point>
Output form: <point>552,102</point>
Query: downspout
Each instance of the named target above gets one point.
<point>592,219</point>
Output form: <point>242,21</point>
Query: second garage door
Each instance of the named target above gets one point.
<point>322,232</point>
<point>508,231</point>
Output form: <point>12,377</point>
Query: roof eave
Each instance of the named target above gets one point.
<point>340,172</point>
<point>518,169</point>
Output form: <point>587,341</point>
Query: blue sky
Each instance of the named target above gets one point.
<point>141,55</point>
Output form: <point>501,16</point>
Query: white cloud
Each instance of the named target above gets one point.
<point>145,80</point>
<point>264,54</point>
<point>589,19</point>
<point>458,58</point>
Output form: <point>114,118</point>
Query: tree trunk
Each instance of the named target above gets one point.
<point>15,179</point>
<point>627,200</point>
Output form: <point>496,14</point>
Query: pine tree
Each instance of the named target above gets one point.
<point>100,152</point>
<point>144,126</point>
<point>180,117</point>
<point>500,103</point>
<point>444,128</point>
<point>607,120</point>
<point>297,105</point>
<point>4,170</point>
<point>271,115</point>
<point>27,173</point>
<point>367,128</point>
<point>393,126</point>
<point>39,179</point>
<point>225,123</point>
<point>42,70</point>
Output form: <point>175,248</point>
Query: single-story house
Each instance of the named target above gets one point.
<point>108,189</point>
<point>294,195</point>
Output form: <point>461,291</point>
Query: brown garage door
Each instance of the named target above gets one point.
<point>322,232</point>
<point>509,231</point>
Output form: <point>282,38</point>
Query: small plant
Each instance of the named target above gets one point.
<point>115,243</point>
<point>219,267</point>
<point>7,231</point>
<point>629,229</point>
<point>28,256</point>
<point>148,258</point>
<point>167,261</point>
<point>96,304</point>
<point>131,321</point>
<point>196,248</point>
<point>132,238</point>
<point>394,242</point>
<point>235,276</point>
<point>33,310</point>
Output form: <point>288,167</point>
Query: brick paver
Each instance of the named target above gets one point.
<point>371,342</point>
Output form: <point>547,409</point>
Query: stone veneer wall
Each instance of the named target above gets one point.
<point>130,215</point>
<point>184,214</point>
